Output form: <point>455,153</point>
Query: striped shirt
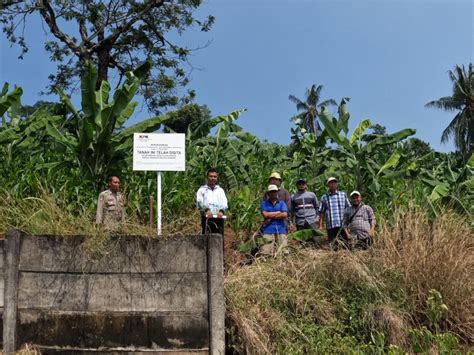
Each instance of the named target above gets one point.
<point>304,208</point>
<point>334,205</point>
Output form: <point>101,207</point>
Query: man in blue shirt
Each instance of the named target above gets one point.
<point>275,213</point>
<point>331,209</point>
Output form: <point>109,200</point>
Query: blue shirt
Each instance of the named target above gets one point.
<point>277,226</point>
<point>334,206</point>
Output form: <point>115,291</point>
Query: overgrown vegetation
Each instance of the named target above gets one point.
<point>411,292</point>
<point>398,297</point>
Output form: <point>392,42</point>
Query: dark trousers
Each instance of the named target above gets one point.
<point>306,226</point>
<point>212,225</point>
<point>338,241</point>
<point>362,243</point>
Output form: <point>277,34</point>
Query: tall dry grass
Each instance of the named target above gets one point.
<point>48,214</point>
<point>259,298</point>
<point>426,255</point>
<point>283,304</point>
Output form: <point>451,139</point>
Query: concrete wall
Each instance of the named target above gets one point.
<point>143,295</point>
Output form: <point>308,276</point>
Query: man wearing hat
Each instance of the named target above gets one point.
<point>304,207</point>
<point>283,194</point>
<point>331,209</point>
<point>274,229</point>
<point>359,219</point>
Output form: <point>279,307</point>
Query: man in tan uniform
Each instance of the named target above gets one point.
<point>110,205</point>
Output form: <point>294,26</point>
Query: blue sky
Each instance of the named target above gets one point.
<point>389,57</point>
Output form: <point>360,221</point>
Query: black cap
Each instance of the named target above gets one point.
<point>301,181</point>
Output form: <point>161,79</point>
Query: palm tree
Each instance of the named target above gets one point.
<point>309,115</point>
<point>462,102</point>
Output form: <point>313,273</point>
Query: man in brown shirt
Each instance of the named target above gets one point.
<point>110,205</point>
<point>283,194</point>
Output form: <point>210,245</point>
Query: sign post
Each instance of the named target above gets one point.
<point>159,152</point>
<point>158,204</point>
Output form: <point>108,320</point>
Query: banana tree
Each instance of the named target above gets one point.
<point>354,157</point>
<point>448,186</point>
<point>10,103</point>
<point>229,149</point>
<point>99,143</point>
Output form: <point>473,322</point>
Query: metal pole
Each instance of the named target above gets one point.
<point>151,216</point>
<point>158,198</point>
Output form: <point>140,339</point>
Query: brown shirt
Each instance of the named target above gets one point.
<point>110,209</point>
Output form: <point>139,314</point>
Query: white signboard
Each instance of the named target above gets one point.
<point>159,152</point>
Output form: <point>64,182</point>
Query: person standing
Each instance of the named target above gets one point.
<point>304,207</point>
<point>331,209</point>
<point>212,203</point>
<point>275,213</point>
<point>283,194</point>
<point>111,205</point>
<point>359,221</point>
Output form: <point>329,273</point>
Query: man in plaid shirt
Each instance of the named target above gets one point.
<point>331,209</point>
<point>360,220</point>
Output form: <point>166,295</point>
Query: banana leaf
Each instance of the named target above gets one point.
<point>306,234</point>
<point>359,130</point>
<point>253,243</point>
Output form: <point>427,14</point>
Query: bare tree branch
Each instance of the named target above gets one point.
<point>110,40</point>
<point>49,16</point>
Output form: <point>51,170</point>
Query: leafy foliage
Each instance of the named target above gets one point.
<point>63,152</point>
<point>307,121</point>
<point>114,35</point>
<point>461,128</point>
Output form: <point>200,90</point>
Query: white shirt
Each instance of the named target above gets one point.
<point>212,199</point>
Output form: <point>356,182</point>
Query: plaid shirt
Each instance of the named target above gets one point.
<point>363,219</point>
<point>334,205</point>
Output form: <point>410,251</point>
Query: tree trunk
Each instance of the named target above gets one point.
<point>103,65</point>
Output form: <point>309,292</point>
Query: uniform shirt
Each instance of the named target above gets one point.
<point>334,205</point>
<point>276,226</point>
<point>305,208</point>
<point>363,219</point>
<point>211,199</point>
<point>110,209</point>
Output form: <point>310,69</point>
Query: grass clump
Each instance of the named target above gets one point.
<point>412,292</point>
<point>428,255</point>
<point>50,214</point>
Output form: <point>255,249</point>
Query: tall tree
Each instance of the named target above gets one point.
<point>308,118</point>
<point>115,36</point>
<point>461,128</point>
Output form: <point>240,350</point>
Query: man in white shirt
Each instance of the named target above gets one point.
<point>212,203</point>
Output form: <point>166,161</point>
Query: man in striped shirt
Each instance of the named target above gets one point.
<point>331,209</point>
<point>359,221</point>
<point>304,207</point>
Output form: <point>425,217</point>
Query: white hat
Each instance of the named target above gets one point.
<point>275,175</point>
<point>355,192</point>
<point>272,188</point>
<point>332,178</point>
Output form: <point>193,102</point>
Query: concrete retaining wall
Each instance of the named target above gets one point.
<point>143,295</point>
